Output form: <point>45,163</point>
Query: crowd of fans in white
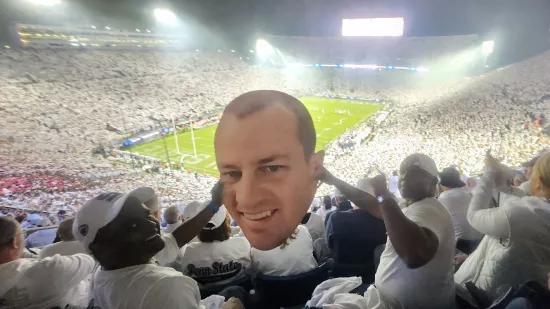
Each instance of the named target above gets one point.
<point>59,105</point>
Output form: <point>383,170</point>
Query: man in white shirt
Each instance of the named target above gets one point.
<point>68,244</point>
<point>416,268</point>
<point>38,283</point>
<point>456,198</point>
<point>123,236</point>
<point>172,217</point>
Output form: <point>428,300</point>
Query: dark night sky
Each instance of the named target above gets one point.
<point>244,19</point>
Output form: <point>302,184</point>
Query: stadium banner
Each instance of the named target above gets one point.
<point>373,27</point>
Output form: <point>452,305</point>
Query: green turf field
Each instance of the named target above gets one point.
<point>328,122</point>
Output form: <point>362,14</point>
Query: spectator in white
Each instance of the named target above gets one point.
<point>315,225</point>
<point>119,231</point>
<point>294,256</point>
<point>217,257</point>
<point>172,241</point>
<point>41,237</point>
<point>68,244</point>
<point>37,283</point>
<point>455,196</point>
<point>416,268</point>
<point>172,217</point>
<point>515,248</point>
<point>326,207</point>
<point>528,166</point>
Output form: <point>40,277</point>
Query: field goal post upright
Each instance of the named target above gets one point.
<point>193,137</point>
<point>175,135</point>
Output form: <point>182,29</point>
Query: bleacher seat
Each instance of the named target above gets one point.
<point>214,288</point>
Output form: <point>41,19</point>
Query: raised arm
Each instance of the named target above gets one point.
<point>359,197</point>
<point>192,227</point>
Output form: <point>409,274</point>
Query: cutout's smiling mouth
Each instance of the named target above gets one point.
<point>258,216</point>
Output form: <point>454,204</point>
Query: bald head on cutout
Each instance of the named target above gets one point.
<point>265,152</point>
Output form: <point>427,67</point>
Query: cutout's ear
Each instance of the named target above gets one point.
<point>317,160</point>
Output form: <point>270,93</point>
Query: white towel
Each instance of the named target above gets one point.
<point>325,293</point>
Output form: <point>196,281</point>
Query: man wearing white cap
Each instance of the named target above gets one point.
<point>119,231</point>
<point>216,257</point>
<point>416,268</point>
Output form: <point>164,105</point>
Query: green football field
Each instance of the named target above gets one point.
<point>332,117</point>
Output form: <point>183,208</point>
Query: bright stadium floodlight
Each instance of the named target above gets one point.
<point>264,48</point>
<point>487,47</point>
<point>148,31</point>
<point>251,51</point>
<point>165,16</point>
<point>138,30</point>
<point>92,26</point>
<point>107,28</point>
<point>45,2</point>
<point>232,50</point>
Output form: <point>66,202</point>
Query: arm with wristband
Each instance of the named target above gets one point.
<point>192,227</point>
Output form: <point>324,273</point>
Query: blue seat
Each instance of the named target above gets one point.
<point>289,291</point>
<point>214,288</point>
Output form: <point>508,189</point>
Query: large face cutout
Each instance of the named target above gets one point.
<point>268,183</point>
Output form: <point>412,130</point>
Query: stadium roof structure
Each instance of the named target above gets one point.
<point>396,51</point>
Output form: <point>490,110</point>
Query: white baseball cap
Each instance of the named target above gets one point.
<point>194,208</point>
<point>144,194</point>
<point>95,214</point>
<point>191,210</point>
<point>424,162</point>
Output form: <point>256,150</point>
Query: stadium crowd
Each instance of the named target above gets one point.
<point>61,104</point>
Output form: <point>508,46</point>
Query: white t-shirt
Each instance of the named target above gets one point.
<point>456,202</point>
<point>170,251</point>
<point>429,286</point>
<point>218,261</point>
<point>295,258</point>
<point>145,286</point>
<point>62,248</point>
<point>46,283</point>
<point>315,226</point>
<point>171,227</point>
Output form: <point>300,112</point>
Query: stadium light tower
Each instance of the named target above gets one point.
<point>487,47</point>
<point>165,16</point>
<point>45,2</point>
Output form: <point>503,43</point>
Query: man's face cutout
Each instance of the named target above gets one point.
<point>268,182</point>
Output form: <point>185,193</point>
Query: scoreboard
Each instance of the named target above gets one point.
<point>373,27</point>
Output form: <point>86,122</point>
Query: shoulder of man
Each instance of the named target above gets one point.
<point>173,291</point>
